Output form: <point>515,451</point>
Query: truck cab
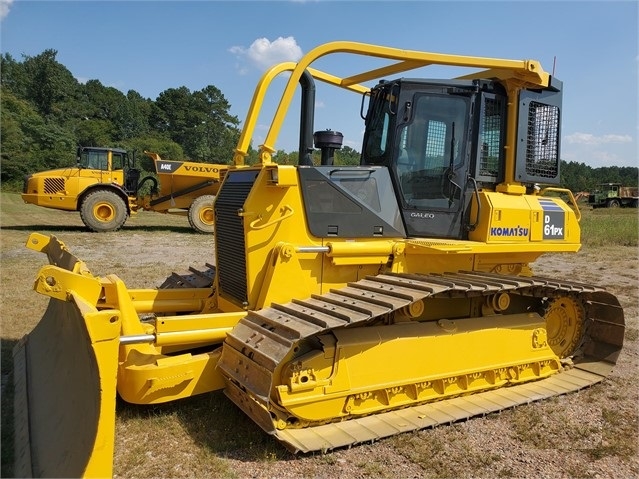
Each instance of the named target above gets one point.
<point>64,188</point>
<point>613,195</point>
<point>113,165</point>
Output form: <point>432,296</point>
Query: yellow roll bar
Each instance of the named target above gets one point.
<point>515,73</point>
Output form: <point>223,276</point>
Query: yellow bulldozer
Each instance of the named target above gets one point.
<point>105,187</point>
<point>347,303</point>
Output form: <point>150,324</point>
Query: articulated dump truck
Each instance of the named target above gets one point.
<point>346,303</point>
<point>105,187</point>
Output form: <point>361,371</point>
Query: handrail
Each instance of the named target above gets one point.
<point>476,193</point>
<point>286,212</point>
<point>570,195</point>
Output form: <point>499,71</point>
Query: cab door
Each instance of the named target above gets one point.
<point>116,170</point>
<point>432,164</point>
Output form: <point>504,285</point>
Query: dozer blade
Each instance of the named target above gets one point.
<point>65,384</point>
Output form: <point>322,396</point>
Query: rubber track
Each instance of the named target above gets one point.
<point>263,339</point>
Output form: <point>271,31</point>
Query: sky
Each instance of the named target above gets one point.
<point>151,46</point>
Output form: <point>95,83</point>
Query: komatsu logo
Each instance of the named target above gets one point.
<point>514,231</point>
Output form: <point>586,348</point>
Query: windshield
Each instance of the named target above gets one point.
<point>431,148</point>
<point>94,160</point>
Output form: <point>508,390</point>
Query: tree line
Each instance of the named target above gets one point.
<point>47,113</point>
<point>581,177</point>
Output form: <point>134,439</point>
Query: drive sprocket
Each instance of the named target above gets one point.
<point>565,318</point>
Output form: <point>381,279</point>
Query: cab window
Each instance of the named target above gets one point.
<point>430,150</point>
<point>117,161</point>
<point>94,160</point>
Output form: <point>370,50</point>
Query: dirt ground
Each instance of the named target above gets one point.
<point>592,433</point>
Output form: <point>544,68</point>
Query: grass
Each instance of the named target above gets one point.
<point>610,227</point>
<point>547,424</point>
<point>619,436</point>
<point>201,433</point>
<point>431,449</point>
<point>604,432</point>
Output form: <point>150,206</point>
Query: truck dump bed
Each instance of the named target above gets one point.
<point>180,181</point>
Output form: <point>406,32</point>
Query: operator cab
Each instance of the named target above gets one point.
<point>426,133</point>
<point>110,160</point>
<point>105,159</point>
<point>443,141</point>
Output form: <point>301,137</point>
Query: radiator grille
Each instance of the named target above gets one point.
<point>229,235</point>
<point>53,185</point>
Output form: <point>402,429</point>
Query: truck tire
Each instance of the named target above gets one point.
<point>201,214</point>
<point>103,211</point>
<point>613,204</point>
